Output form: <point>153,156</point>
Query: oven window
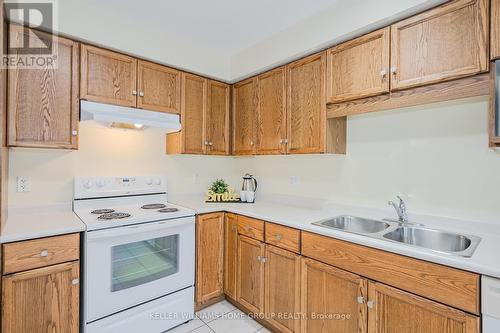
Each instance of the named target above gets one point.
<point>141,262</point>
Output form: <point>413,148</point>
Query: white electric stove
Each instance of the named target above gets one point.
<point>139,255</point>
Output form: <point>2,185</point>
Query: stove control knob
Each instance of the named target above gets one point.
<point>158,181</point>
<point>149,181</point>
<point>87,184</point>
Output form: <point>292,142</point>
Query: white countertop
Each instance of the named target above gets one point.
<point>300,214</point>
<point>36,222</point>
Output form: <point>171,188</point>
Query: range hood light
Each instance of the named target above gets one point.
<point>139,126</point>
<point>126,126</point>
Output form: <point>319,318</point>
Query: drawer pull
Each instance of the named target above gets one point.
<point>75,281</point>
<point>247,228</point>
<point>44,253</point>
<point>278,237</point>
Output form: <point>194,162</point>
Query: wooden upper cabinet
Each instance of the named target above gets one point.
<point>108,77</point>
<point>43,104</point>
<point>159,87</point>
<point>397,311</point>
<point>217,118</point>
<point>282,289</point>
<point>245,104</point>
<point>209,257</point>
<point>42,300</point>
<point>306,106</point>
<point>495,29</point>
<point>250,274</point>
<point>230,254</point>
<point>193,109</point>
<point>444,43</point>
<point>271,113</point>
<point>359,68</point>
<point>329,291</point>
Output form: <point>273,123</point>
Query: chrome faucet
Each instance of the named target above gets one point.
<point>400,210</point>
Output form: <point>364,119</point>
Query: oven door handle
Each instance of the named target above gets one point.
<point>143,227</point>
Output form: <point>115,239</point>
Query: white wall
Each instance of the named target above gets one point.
<point>339,22</point>
<point>108,152</point>
<point>436,156</point>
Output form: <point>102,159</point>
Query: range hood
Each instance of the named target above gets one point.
<point>134,118</point>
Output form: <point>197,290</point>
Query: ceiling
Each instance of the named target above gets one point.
<point>228,25</point>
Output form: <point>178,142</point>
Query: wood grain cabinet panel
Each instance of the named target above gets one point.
<point>306,105</point>
<point>193,110</point>
<point>333,300</point>
<point>42,300</point>
<point>25,255</point>
<point>217,118</point>
<point>282,289</point>
<point>444,43</point>
<point>454,287</point>
<point>495,29</point>
<point>359,68</point>
<point>397,311</point>
<point>250,274</point>
<point>284,237</point>
<point>159,87</point>
<point>230,254</point>
<point>245,104</point>
<point>251,227</point>
<point>209,257</point>
<point>108,77</point>
<point>43,104</point>
<point>271,113</point>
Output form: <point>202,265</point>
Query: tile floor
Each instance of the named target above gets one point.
<point>222,317</point>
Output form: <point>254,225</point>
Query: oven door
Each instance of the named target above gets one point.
<point>127,266</point>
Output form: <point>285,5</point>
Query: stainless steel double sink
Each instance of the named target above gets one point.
<point>411,234</point>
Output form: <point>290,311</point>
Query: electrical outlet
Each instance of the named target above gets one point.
<point>294,180</point>
<point>23,184</point>
<point>196,178</point>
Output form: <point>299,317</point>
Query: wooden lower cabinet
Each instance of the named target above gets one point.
<point>42,300</point>
<point>230,254</point>
<point>250,274</point>
<point>209,257</point>
<point>394,310</point>
<point>332,300</point>
<point>282,289</point>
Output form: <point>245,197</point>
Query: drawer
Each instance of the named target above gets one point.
<point>443,284</point>
<point>284,237</point>
<point>250,227</point>
<point>25,255</point>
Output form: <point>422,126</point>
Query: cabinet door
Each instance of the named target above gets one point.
<point>230,254</point>
<point>333,300</point>
<point>217,120</point>
<point>245,103</point>
<point>448,42</point>
<point>108,77</point>
<point>271,114</point>
<point>359,68</point>
<point>193,109</point>
<point>159,88</point>
<point>495,29</point>
<point>43,103</point>
<point>306,84</point>
<point>42,300</point>
<point>396,311</point>
<point>282,289</point>
<point>250,274</point>
<point>209,257</point>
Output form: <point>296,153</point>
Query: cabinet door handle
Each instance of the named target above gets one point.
<point>75,281</point>
<point>210,143</point>
<point>394,70</point>
<point>263,259</point>
<point>361,300</point>
<point>278,236</point>
<point>44,253</point>
<point>251,143</point>
<point>74,132</point>
<point>141,93</point>
<point>370,304</point>
<point>383,73</point>
<point>134,92</point>
<point>259,258</point>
